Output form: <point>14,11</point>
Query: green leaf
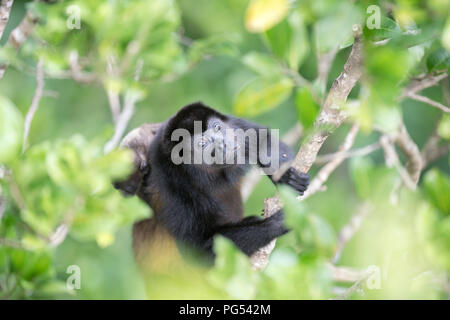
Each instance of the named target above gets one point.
<point>437,187</point>
<point>444,127</point>
<point>221,44</point>
<point>30,264</point>
<point>372,183</point>
<point>262,95</point>
<point>446,35</point>
<point>388,29</point>
<point>11,131</point>
<point>289,40</point>
<point>438,60</point>
<point>262,64</point>
<point>324,236</point>
<point>307,108</point>
<point>312,231</point>
<point>335,30</point>
<point>360,168</point>
<point>385,69</point>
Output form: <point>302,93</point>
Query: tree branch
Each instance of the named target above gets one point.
<point>121,123</point>
<point>422,83</point>
<point>347,232</point>
<point>349,154</point>
<point>324,173</point>
<point>19,35</point>
<point>392,160</point>
<point>34,103</point>
<point>324,62</point>
<point>429,101</point>
<point>419,84</point>
<point>121,117</point>
<point>2,205</point>
<point>414,163</point>
<point>329,118</point>
<point>5,10</point>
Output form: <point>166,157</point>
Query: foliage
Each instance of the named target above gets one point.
<point>258,59</point>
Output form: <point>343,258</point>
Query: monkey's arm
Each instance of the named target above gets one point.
<point>273,154</point>
<point>253,233</point>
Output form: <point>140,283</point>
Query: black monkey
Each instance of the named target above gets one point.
<point>194,202</point>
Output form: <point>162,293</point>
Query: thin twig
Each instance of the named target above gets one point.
<point>347,232</point>
<point>61,232</point>
<point>354,288</point>
<point>392,160</point>
<point>34,103</point>
<point>324,173</point>
<point>121,123</point>
<point>409,148</point>
<point>324,62</point>
<point>360,152</point>
<point>19,35</point>
<point>2,206</point>
<point>76,72</point>
<point>422,83</point>
<point>429,101</point>
<point>345,274</point>
<point>427,81</point>
<point>123,117</point>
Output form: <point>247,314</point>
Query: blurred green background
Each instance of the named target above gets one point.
<point>237,58</point>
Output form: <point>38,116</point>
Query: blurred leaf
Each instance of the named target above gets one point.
<point>218,44</point>
<point>262,64</point>
<point>446,35</point>
<point>437,187</point>
<point>11,130</point>
<point>444,127</point>
<point>387,118</point>
<point>262,15</point>
<point>289,40</point>
<point>233,270</point>
<point>309,272</point>
<point>385,70</point>
<point>439,60</point>
<point>388,29</point>
<point>313,232</point>
<point>307,108</point>
<point>334,31</point>
<point>360,171</point>
<point>262,95</point>
<point>30,265</point>
<point>105,239</point>
<point>148,33</point>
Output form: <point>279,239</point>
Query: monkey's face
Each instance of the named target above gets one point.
<point>217,146</point>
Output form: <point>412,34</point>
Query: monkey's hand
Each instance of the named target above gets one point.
<point>297,180</point>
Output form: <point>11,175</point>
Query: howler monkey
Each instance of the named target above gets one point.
<point>195,200</point>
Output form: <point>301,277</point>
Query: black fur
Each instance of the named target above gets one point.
<point>194,204</point>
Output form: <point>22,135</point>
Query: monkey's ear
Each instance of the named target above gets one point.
<point>139,141</point>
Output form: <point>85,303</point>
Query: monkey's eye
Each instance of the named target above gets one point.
<point>217,127</point>
<point>201,143</point>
